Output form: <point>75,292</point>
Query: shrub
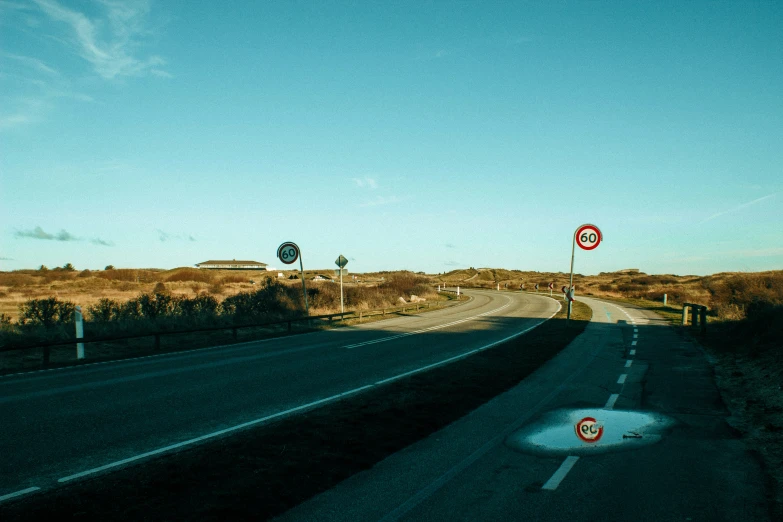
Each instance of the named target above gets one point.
<point>46,312</point>
<point>160,288</point>
<point>190,274</point>
<point>104,311</point>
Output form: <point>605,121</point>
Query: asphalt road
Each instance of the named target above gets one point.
<point>519,457</point>
<point>59,425</point>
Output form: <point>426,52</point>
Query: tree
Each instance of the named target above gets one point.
<point>109,267</point>
<point>68,267</point>
<point>43,269</point>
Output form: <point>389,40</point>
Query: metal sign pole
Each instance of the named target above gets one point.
<point>304,288</point>
<point>571,278</point>
<point>342,303</point>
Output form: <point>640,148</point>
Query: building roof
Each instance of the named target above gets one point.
<point>230,262</point>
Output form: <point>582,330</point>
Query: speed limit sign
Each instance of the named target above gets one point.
<point>288,253</point>
<point>588,430</point>
<point>588,237</point>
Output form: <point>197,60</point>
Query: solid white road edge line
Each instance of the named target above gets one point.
<point>18,493</point>
<point>561,473</point>
<point>423,330</point>
<point>289,411</point>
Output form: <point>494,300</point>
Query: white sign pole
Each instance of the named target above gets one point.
<point>79,332</point>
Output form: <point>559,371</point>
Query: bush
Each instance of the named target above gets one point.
<point>46,312</point>
<point>190,274</point>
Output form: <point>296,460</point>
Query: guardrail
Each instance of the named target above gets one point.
<point>343,316</point>
<point>698,315</point>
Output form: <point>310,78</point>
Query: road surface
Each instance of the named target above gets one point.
<point>61,425</point>
<point>518,457</point>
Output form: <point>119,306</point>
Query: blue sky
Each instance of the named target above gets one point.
<point>405,135</point>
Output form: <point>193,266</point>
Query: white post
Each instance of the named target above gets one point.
<point>79,332</point>
<point>457,291</point>
<point>438,288</point>
<point>498,287</point>
<point>664,299</point>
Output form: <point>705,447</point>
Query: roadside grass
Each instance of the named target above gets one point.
<point>264,471</point>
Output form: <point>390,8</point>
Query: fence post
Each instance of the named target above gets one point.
<point>46,354</point>
<point>79,319</point>
<point>684,315</point>
<point>694,316</point>
<point>703,319</point>
<point>234,333</point>
<point>157,342</point>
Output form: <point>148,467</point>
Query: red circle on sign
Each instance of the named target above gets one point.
<point>588,237</point>
<point>288,252</point>
<point>588,430</point>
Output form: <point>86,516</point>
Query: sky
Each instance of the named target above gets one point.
<point>425,136</point>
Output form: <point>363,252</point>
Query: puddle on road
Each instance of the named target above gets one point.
<point>589,431</point>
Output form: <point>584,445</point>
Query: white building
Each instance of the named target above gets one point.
<point>232,265</point>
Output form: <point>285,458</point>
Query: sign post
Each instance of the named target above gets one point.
<point>588,237</point>
<point>551,286</point>
<point>288,253</point>
<point>341,262</point>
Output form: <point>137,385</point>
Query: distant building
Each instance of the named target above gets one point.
<point>232,265</point>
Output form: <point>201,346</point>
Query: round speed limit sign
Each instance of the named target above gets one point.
<point>288,252</point>
<point>588,430</point>
<point>588,237</point>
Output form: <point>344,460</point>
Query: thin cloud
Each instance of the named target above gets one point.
<point>739,207</point>
<point>30,62</point>
<point>451,263</point>
<point>450,245</point>
<point>101,242</point>
<point>165,236</point>
<point>366,182</point>
<point>107,42</point>
<point>759,252</point>
<point>6,259</point>
<point>39,233</point>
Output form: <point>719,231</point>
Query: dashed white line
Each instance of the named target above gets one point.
<point>633,352</point>
<point>18,493</point>
<point>628,363</point>
<point>560,474</point>
<point>612,399</point>
<point>635,336</point>
<point>622,378</point>
<point>633,343</point>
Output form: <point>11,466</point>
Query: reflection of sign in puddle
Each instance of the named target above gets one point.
<point>589,431</point>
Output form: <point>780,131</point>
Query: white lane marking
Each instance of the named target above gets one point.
<point>612,399</point>
<point>635,330</point>
<point>633,343</point>
<point>560,474</point>
<point>423,330</point>
<point>289,411</point>
<point>628,363</point>
<point>429,366</point>
<point>633,352</point>
<point>18,493</point>
<point>621,380</point>
<point>636,336</point>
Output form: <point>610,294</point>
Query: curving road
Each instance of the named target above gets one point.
<point>61,425</point>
